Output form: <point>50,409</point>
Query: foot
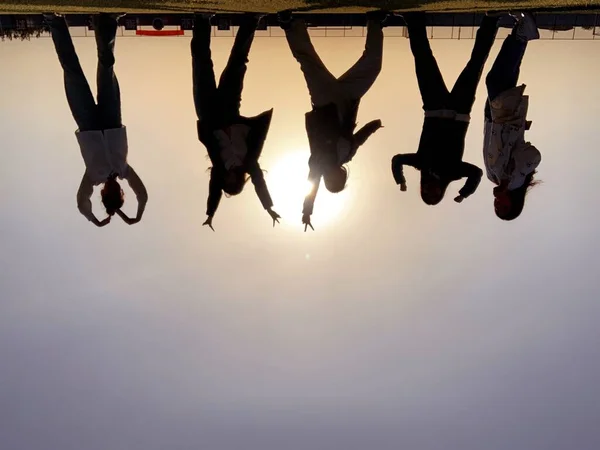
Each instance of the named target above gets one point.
<point>117,16</point>
<point>97,18</point>
<point>380,16</point>
<point>257,16</point>
<point>204,16</point>
<point>285,19</point>
<point>497,13</point>
<point>525,29</point>
<point>253,18</point>
<point>49,17</point>
<point>416,18</point>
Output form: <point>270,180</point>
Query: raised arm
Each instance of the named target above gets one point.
<point>141,194</point>
<point>84,203</point>
<point>361,136</point>
<point>314,177</point>
<point>398,163</point>
<point>215,192</point>
<point>260,185</point>
<point>473,174</point>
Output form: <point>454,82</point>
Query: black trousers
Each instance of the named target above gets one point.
<point>89,114</point>
<point>220,103</point>
<point>434,93</point>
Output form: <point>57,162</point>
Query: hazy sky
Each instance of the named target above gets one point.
<point>394,326</point>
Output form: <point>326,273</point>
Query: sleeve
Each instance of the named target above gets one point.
<point>84,195</point>
<point>473,174</point>
<point>398,163</point>
<point>137,186</point>
<point>314,177</point>
<point>260,185</point>
<point>361,136</point>
<point>215,191</point>
<point>531,158</point>
<point>526,159</point>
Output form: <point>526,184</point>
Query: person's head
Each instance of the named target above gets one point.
<point>508,204</point>
<point>112,195</point>
<point>234,181</point>
<point>335,179</point>
<point>432,188</point>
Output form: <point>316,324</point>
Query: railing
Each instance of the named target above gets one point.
<point>557,26</point>
<point>435,33</point>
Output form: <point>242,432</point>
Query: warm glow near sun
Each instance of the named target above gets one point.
<point>288,184</point>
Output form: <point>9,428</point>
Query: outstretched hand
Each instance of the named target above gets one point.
<point>274,216</point>
<point>208,222</point>
<point>459,199</point>
<point>306,222</point>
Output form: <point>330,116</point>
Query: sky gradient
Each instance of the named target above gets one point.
<point>393,325</point>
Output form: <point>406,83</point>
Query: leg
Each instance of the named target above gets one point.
<point>322,85</point>
<point>79,94</point>
<point>203,74</point>
<point>431,83</point>
<point>505,71</point>
<point>361,76</point>
<point>109,95</point>
<point>463,93</point>
<point>231,83</point>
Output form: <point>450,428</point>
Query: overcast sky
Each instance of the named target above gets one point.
<point>393,325</point>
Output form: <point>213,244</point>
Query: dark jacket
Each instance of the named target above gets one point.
<point>441,152</point>
<point>323,128</point>
<point>259,127</point>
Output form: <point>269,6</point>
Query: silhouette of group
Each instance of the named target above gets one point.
<point>234,142</point>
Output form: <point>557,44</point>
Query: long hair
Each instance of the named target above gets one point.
<point>112,195</point>
<point>236,185</point>
<point>517,198</point>
<point>233,187</point>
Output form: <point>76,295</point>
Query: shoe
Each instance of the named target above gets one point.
<point>416,18</point>
<point>97,19</point>
<point>204,16</point>
<point>117,16</point>
<point>497,13</point>
<point>257,16</point>
<point>285,19</point>
<point>525,29</point>
<point>253,17</point>
<point>49,17</point>
<point>380,16</point>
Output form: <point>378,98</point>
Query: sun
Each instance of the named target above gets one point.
<point>288,184</point>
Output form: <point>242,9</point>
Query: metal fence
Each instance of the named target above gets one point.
<point>557,26</point>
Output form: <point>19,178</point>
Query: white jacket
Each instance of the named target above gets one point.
<point>104,152</point>
<point>506,154</point>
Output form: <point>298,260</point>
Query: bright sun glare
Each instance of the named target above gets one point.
<point>288,184</point>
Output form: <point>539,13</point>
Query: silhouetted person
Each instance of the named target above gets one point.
<point>234,142</point>
<point>510,161</point>
<point>101,135</point>
<point>331,123</point>
<point>441,148</point>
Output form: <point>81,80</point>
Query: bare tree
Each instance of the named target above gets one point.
<point>22,34</point>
